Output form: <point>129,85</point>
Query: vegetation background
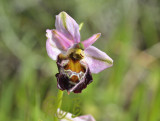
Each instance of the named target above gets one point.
<point>128,91</point>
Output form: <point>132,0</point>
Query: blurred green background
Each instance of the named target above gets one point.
<point>128,91</point>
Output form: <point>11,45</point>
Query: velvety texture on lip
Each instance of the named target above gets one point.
<point>63,81</point>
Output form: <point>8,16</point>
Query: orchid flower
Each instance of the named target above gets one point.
<point>76,60</point>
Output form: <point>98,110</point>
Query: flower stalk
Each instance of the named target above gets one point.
<point>58,103</point>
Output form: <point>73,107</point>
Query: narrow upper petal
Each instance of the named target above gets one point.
<point>68,26</point>
<point>59,39</point>
<point>97,60</point>
<point>91,40</point>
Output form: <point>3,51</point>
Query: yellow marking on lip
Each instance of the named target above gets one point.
<point>74,56</point>
<point>74,78</point>
<point>75,66</point>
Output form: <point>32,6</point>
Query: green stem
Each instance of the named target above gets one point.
<point>58,103</point>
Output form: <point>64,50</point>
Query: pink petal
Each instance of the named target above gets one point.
<point>91,40</point>
<point>87,118</point>
<point>68,27</point>
<point>59,39</point>
<point>97,60</point>
<point>69,117</point>
<point>52,49</point>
